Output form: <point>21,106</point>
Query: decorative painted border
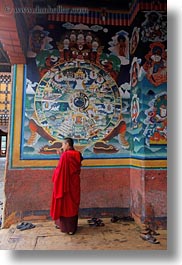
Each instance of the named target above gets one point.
<point>15,160</point>
<point>103,16</point>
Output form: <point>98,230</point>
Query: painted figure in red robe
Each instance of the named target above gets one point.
<point>66,188</point>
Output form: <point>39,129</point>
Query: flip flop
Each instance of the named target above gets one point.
<point>115,219</point>
<point>21,225</point>
<point>150,231</point>
<point>97,222</point>
<point>149,238</point>
<point>94,219</point>
<point>27,226</point>
<point>127,218</point>
<point>153,240</point>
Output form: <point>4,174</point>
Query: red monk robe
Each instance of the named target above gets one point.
<point>66,189</point>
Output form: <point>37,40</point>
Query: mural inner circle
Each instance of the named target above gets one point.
<point>79,101</point>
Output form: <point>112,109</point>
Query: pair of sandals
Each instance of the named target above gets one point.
<point>95,222</point>
<point>116,219</point>
<point>148,235</point>
<point>148,230</point>
<point>149,238</point>
<point>25,226</point>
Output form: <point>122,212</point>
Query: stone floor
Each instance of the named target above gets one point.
<point>112,236</point>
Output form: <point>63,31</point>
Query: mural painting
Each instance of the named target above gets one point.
<point>78,100</point>
<point>148,83</point>
<point>96,85</point>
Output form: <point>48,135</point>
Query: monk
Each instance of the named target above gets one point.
<point>66,188</point>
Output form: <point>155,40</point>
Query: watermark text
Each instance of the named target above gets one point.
<point>45,10</point>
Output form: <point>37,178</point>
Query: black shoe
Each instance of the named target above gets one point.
<point>115,219</point>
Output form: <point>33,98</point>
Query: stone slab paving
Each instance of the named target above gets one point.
<point>112,236</point>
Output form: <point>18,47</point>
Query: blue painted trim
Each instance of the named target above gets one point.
<point>93,167</point>
<point>13,103</point>
<point>23,112</point>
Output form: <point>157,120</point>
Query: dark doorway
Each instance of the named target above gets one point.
<point>3,144</point>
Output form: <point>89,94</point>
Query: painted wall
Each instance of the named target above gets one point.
<point>148,196</point>
<point>105,86</point>
<point>28,193</point>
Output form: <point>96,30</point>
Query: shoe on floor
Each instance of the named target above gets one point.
<point>27,226</point>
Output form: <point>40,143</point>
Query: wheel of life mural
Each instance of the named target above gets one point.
<point>77,100</point>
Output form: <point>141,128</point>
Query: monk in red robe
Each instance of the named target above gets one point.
<point>66,188</point>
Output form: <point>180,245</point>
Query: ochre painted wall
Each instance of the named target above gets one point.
<point>148,193</point>
<point>106,187</point>
<point>104,192</point>
<point>28,193</point>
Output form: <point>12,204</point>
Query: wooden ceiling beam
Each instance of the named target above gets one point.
<point>9,36</point>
